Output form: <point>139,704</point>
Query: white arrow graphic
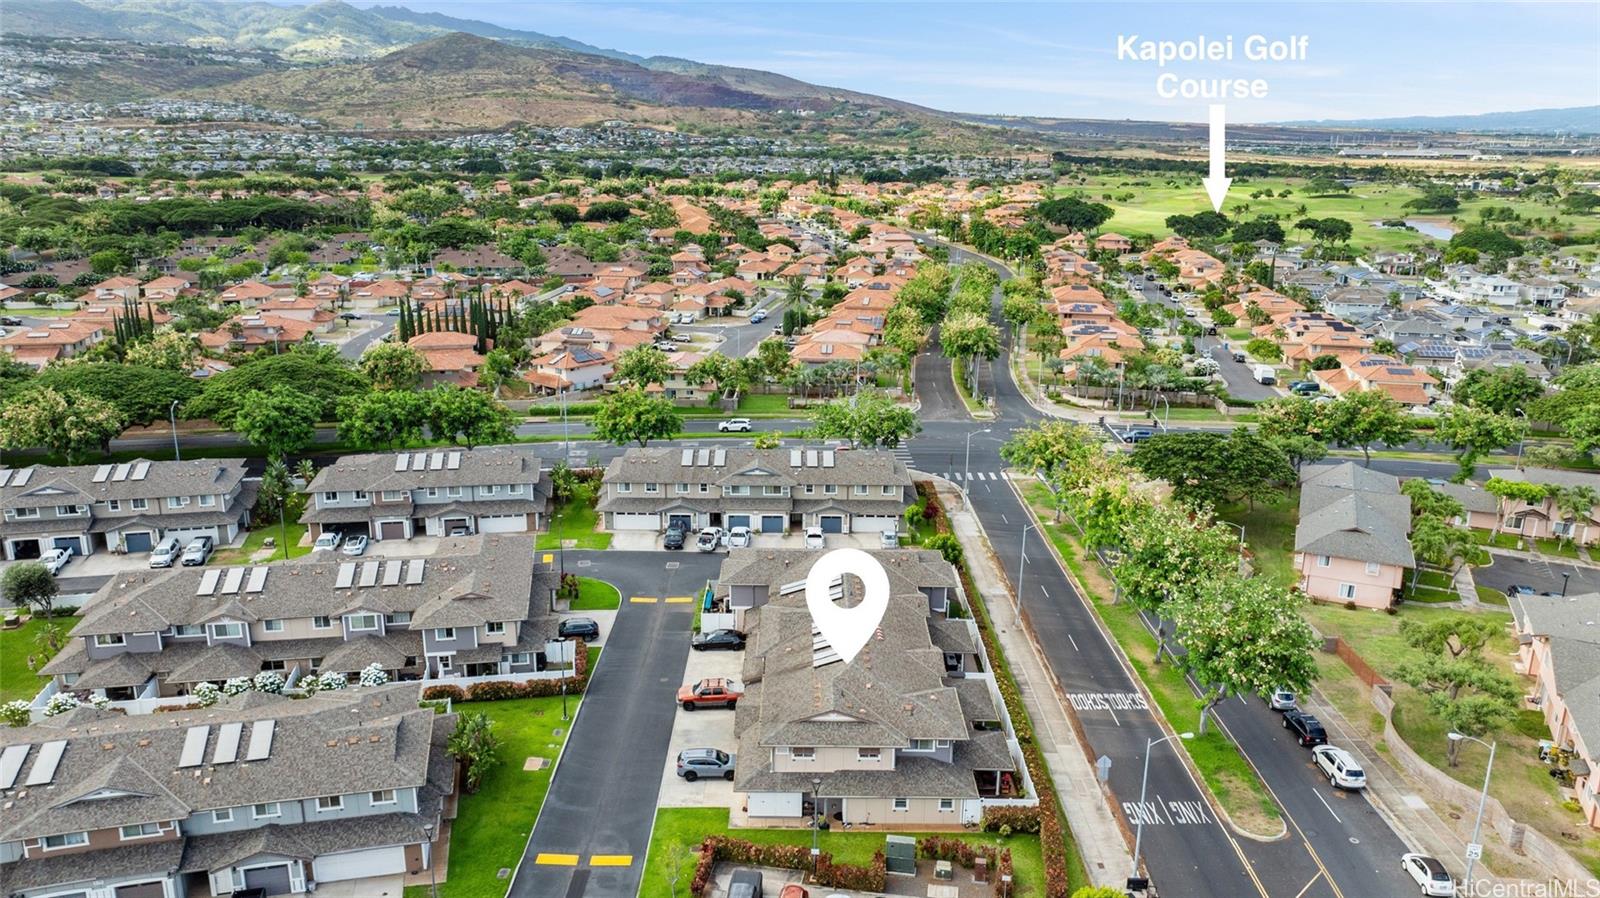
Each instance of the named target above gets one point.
<point>1217,185</point>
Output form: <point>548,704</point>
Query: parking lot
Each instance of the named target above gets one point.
<point>648,540</point>
<point>1542,575</point>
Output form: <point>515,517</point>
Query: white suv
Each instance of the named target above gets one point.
<point>1340,767</point>
<point>734,425</point>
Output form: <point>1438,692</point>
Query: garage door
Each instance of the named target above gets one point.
<point>75,543</point>
<point>738,520</point>
<point>273,880</point>
<point>680,521</point>
<point>635,521</point>
<point>772,523</point>
<point>26,548</point>
<point>503,523</point>
<point>774,804</point>
<point>832,523</point>
<point>392,530</point>
<point>874,523</point>
<point>142,890</point>
<point>138,542</point>
<point>359,864</point>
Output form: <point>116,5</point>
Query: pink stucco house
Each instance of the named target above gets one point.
<point>1559,650</point>
<point>1352,543</point>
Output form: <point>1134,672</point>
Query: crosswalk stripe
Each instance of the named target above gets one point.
<point>556,860</point>
<point>611,860</point>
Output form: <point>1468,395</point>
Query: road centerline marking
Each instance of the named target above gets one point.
<point>643,600</point>
<point>611,860</point>
<point>556,860</point>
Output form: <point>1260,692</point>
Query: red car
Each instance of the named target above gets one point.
<point>712,692</point>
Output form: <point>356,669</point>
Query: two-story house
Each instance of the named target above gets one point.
<point>767,490</point>
<point>911,732</point>
<point>435,493</point>
<point>1544,518</point>
<point>256,792</point>
<point>127,507</point>
<point>1353,541</point>
<point>1558,646</point>
<point>476,608</point>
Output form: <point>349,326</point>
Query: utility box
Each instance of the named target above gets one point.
<point>900,855</point>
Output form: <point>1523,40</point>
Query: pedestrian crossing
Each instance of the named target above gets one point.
<point>972,476</point>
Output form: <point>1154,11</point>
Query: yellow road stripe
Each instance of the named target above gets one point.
<point>644,600</point>
<point>557,860</point>
<point>679,600</point>
<point>611,860</point>
<point>549,558</point>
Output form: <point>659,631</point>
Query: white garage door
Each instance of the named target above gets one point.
<point>357,864</point>
<point>635,521</point>
<point>874,523</point>
<point>502,523</point>
<point>774,804</point>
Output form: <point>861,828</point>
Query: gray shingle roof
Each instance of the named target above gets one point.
<point>489,466</point>
<point>1348,511</point>
<point>52,485</point>
<point>1572,624</point>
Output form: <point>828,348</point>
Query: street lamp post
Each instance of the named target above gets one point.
<point>433,879</point>
<point>968,462</point>
<point>816,822</point>
<point>1138,833</point>
<point>1483,797</point>
<point>1565,576</point>
<point>1022,564</point>
<point>574,661</point>
<point>172,415</point>
<point>1524,439</point>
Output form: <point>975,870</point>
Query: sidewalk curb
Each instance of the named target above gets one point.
<point>1156,713</point>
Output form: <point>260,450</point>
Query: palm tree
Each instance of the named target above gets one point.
<point>1574,502</point>
<point>474,744</point>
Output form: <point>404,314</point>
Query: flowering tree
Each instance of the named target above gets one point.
<point>1244,636</point>
<point>1168,554</point>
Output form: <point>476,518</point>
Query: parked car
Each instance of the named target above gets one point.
<point>393,313</point>
<point>739,538</point>
<point>1307,730</point>
<point>1264,374</point>
<point>814,538</point>
<point>745,884</point>
<point>758,316</point>
<point>1282,700</point>
<point>777,330</point>
<point>55,559</point>
<point>795,890</point>
<point>712,692</point>
<point>198,551</point>
<point>1137,435</point>
<point>693,763</point>
<point>328,541</point>
<point>1238,356</point>
<point>709,540</point>
<point>166,552</point>
<point>734,425</point>
<point>10,321</point>
<point>356,545</point>
<point>682,338</point>
<point>1339,766</point>
<point>888,539</point>
<point>1429,874</point>
<point>730,640</point>
<point>1519,589</point>
<point>666,346</point>
<point>349,316</point>
<point>674,538</point>
<point>583,628</point>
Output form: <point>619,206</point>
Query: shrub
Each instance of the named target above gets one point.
<point>492,691</point>
<point>236,685</point>
<point>1020,819</point>
<point>269,681</point>
<point>374,675</point>
<point>206,694</point>
<point>15,713</point>
<point>871,878</point>
<point>435,693</point>
<point>330,680</point>
<point>60,703</point>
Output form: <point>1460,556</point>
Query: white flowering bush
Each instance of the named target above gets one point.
<point>15,713</point>
<point>206,694</point>
<point>237,685</point>
<point>373,675</point>
<point>99,702</point>
<point>269,681</point>
<point>331,679</point>
<point>60,703</point>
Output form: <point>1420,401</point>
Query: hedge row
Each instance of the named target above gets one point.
<point>715,849</point>
<point>502,690</point>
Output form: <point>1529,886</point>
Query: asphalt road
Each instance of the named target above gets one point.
<point>1237,375</point>
<point>601,802</point>
<point>1542,575</point>
<point>355,346</point>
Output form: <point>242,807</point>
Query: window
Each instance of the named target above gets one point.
<point>411,661</point>
<point>226,631</point>
<point>330,803</point>
<point>433,492</point>
<point>114,504</point>
<point>382,796</point>
<point>514,489</point>
<point>360,495</point>
<point>1347,590</point>
<point>222,815</point>
<point>188,630</point>
<point>361,622</point>
<point>890,490</point>
<point>921,745</point>
<point>444,633</point>
<point>652,487</point>
<point>901,804</point>
<point>772,491</point>
<point>490,490</point>
<point>177,501</point>
<point>1324,561</point>
<point>397,617</point>
<point>516,658</point>
<point>140,831</point>
<point>274,665</point>
<point>454,492</point>
<point>705,488</point>
<point>802,754</point>
<point>947,804</point>
<point>830,489</point>
<point>208,501</point>
<point>1514,523</point>
<point>495,626</point>
<point>264,811</point>
<point>1372,569</point>
<point>393,495</point>
<point>624,487</point>
<point>321,622</point>
<point>736,490</point>
<point>860,489</point>
<point>139,504</point>
<point>106,640</point>
<point>444,662</point>
<point>683,489</point>
<point>316,664</point>
<point>22,512</point>
<point>65,840</point>
<point>275,625</point>
<point>330,497</point>
<point>811,489</point>
<point>869,754</point>
<point>68,511</point>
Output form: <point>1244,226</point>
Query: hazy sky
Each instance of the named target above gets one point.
<point>1365,60</point>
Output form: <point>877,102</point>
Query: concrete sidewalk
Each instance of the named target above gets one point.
<point>1098,833</point>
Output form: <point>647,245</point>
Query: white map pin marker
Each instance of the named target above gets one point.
<point>847,629</point>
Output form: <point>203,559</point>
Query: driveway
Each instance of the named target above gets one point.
<point>701,729</point>
<point>1242,384</point>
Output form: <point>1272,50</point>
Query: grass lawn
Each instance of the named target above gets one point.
<point>1498,540</point>
<point>596,595</point>
<point>16,681</point>
<point>1269,532</point>
<point>1224,769</point>
<point>1429,595</point>
<point>958,372</point>
<point>678,832</point>
<point>1491,596</point>
<point>1562,548</point>
<point>575,519</point>
<point>255,538</point>
<point>764,404</point>
<point>492,827</point>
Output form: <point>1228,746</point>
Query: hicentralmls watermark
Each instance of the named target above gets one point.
<point>1568,888</point>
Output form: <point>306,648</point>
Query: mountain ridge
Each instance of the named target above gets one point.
<point>1572,119</point>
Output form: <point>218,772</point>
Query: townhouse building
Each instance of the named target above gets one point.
<point>1558,648</point>
<point>767,490</point>
<point>1353,540</point>
<point>256,792</point>
<point>477,608</point>
<point>911,732</point>
<point>1545,518</point>
<point>126,507</point>
<point>396,496</point>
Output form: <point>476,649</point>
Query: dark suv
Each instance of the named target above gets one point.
<point>1307,730</point>
<point>674,538</point>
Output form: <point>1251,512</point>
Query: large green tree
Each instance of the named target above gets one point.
<point>317,374</point>
<point>1499,390</point>
<point>1207,468</point>
<point>393,366</point>
<point>68,424</point>
<point>632,416</point>
<point>1365,418</point>
<point>468,417</point>
<point>869,419</point>
<point>1463,689</point>
<point>382,419</point>
<point>278,421</point>
<point>1475,432</point>
<point>141,395</point>
<point>1245,636</point>
<point>642,366</point>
